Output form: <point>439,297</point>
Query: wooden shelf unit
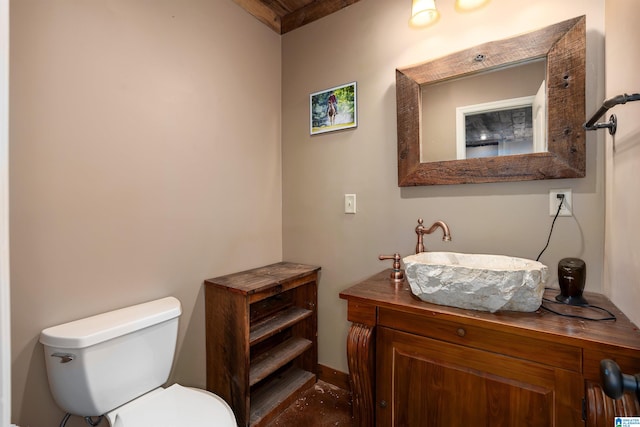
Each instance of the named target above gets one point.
<point>261,338</point>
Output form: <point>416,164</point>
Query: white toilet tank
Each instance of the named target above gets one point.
<point>99,363</point>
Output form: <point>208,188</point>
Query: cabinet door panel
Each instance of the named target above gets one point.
<point>425,382</point>
<point>454,395</point>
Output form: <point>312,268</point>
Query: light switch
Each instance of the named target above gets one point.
<point>349,203</point>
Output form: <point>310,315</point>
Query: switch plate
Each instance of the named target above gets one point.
<point>349,203</point>
<point>567,203</point>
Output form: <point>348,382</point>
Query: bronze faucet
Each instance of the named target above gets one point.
<point>421,230</point>
<point>397,276</point>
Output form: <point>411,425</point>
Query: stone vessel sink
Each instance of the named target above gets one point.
<point>476,281</point>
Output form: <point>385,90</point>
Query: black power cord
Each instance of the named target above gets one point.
<point>610,316</point>
<point>561,197</point>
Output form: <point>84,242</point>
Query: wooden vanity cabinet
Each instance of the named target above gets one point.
<point>423,382</point>
<point>261,338</point>
<point>412,363</point>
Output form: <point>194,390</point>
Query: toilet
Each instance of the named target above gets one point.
<point>116,363</point>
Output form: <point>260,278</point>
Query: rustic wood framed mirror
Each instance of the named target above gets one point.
<point>563,46</point>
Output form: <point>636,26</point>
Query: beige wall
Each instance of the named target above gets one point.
<point>5,303</point>
<point>366,42</point>
<point>145,158</point>
<point>622,253</point>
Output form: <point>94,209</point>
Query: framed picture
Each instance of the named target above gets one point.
<point>333,109</point>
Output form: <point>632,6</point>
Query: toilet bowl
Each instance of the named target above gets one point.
<point>174,406</point>
<point>116,363</point>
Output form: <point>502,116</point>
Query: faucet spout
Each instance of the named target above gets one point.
<point>421,230</point>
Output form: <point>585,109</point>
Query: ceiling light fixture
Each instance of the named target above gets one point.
<point>467,5</point>
<point>423,13</point>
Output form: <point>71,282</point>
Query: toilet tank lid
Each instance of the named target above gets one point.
<point>102,327</point>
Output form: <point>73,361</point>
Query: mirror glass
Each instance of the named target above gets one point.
<point>507,110</point>
<point>486,114</point>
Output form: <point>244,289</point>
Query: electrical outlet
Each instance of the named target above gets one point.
<point>554,201</point>
<point>349,203</point>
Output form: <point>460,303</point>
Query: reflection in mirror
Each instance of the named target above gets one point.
<point>498,128</point>
<point>548,109</point>
<point>484,115</point>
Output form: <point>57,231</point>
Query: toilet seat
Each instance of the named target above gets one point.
<point>174,406</point>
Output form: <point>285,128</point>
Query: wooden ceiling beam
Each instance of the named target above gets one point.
<point>283,16</point>
<point>263,13</point>
<point>312,12</point>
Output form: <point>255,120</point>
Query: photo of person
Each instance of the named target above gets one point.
<point>333,109</point>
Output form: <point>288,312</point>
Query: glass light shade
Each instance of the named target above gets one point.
<point>466,5</point>
<point>423,13</point>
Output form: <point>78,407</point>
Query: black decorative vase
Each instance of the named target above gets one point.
<point>572,274</point>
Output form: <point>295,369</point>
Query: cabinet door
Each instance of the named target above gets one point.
<point>425,382</point>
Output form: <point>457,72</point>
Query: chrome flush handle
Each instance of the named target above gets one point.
<point>64,357</point>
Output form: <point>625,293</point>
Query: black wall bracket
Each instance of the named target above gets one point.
<point>612,124</point>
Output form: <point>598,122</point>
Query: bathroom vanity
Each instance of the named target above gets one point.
<point>413,363</point>
<point>261,338</point>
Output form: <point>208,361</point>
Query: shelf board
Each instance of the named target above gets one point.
<point>270,326</point>
<point>276,393</point>
<point>270,361</point>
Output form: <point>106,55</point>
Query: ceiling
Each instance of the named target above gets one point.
<point>283,16</point>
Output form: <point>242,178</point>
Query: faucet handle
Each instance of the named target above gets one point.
<point>396,275</point>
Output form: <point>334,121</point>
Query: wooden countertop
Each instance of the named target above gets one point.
<point>380,291</point>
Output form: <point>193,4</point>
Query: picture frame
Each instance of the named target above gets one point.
<point>333,109</point>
